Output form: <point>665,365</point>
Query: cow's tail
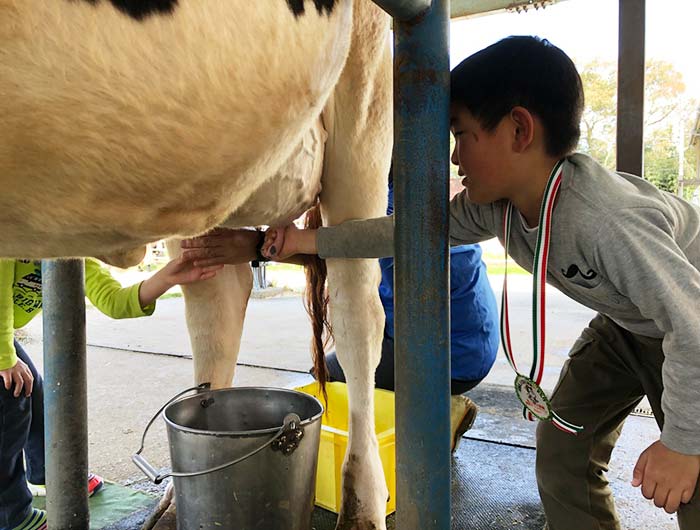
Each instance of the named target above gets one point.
<point>316,303</point>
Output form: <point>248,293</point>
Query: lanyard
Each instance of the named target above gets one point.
<point>536,405</point>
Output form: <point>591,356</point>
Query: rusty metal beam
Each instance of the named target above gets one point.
<point>630,87</point>
<point>471,8</point>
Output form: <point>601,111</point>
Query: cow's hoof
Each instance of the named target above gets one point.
<point>164,511</point>
<point>168,520</point>
<point>348,524</point>
<point>364,496</point>
<point>359,522</point>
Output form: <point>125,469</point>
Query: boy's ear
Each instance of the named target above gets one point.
<point>523,125</point>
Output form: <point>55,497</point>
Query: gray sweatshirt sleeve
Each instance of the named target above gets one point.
<point>374,238</point>
<point>654,273</point>
<point>363,238</point>
<point>473,223</point>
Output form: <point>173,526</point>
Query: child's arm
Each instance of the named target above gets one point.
<point>223,246</point>
<point>365,238</point>
<point>637,252</point>
<point>362,238</point>
<point>666,476</point>
<point>231,246</point>
<point>287,241</point>
<point>374,238</point>
<point>116,301</point>
<point>12,370</point>
<point>179,271</point>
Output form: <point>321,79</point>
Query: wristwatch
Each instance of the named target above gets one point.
<point>259,258</point>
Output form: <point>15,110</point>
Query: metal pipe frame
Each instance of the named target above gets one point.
<point>422,313</point>
<point>630,87</point>
<point>404,10</point>
<point>65,394</point>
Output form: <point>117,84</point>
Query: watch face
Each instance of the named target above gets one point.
<point>533,397</point>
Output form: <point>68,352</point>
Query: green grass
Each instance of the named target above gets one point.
<point>284,267</point>
<point>170,295</point>
<point>497,268</point>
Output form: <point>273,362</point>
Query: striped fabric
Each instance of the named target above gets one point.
<point>35,521</point>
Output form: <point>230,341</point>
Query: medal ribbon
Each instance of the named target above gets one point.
<point>539,282</point>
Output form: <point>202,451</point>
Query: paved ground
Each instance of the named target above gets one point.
<point>135,366</point>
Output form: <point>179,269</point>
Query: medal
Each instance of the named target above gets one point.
<point>536,404</point>
<point>533,397</point>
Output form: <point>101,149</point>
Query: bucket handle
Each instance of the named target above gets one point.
<point>287,438</point>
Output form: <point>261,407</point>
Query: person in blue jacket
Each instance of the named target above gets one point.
<point>474,315</point>
<point>474,330</point>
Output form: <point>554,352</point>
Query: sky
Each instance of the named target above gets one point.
<point>587,29</point>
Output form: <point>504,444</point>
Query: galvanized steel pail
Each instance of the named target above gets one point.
<point>242,458</point>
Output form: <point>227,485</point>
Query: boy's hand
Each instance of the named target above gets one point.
<point>222,246</point>
<point>274,245</point>
<point>281,243</point>
<point>21,376</point>
<point>666,477</point>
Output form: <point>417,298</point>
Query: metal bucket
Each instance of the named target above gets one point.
<point>242,458</point>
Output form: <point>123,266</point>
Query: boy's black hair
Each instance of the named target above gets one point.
<point>523,71</point>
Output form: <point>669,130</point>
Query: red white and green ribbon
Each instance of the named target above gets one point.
<point>539,282</point>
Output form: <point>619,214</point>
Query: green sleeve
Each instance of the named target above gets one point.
<point>107,294</point>
<point>8,356</point>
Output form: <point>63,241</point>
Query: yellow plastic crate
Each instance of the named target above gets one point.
<point>334,442</point>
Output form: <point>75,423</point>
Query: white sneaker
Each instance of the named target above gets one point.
<point>463,412</point>
<point>38,490</point>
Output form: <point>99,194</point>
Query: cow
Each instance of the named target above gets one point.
<point>123,122</point>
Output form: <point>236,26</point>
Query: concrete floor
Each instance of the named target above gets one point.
<point>127,386</point>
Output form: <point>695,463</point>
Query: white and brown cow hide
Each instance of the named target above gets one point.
<point>123,122</point>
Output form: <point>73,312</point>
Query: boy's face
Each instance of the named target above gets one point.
<point>480,155</point>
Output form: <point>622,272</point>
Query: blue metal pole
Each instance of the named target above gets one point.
<point>404,10</point>
<point>65,394</point>
<point>421,172</point>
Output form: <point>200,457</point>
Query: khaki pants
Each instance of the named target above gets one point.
<point>608,373</point>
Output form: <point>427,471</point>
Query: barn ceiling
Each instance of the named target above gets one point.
<point>470,8</point>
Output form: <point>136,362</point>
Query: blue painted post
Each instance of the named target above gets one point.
<point>65,394</point>
<point>421,172</point>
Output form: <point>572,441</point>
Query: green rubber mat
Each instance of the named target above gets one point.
<point>114,506</point>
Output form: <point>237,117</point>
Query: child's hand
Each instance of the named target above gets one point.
<point>21,376</point>
<point>222,246</point>
<point>666,477</point>
<point>182,271</point>
<point>280,243</point>
<point>178,271</point>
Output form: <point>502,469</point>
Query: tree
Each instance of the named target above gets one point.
<point>663,88</point>
<point>661,159</point>
<point>667,111</point>
<point>599,115</point>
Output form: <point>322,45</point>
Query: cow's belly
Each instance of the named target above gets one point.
<point>115,132</point>
<point>291,191</point>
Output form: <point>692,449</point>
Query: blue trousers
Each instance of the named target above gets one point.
<point>384,376</point>
<point>21,434</point>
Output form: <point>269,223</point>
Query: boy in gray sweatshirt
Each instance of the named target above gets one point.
<point>616,244</point>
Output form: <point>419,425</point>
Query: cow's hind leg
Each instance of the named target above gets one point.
<point>358,321</point>
<point>359,121</point>
<point>215,311</point>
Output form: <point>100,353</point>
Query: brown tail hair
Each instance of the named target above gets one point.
<point>316,303</point>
